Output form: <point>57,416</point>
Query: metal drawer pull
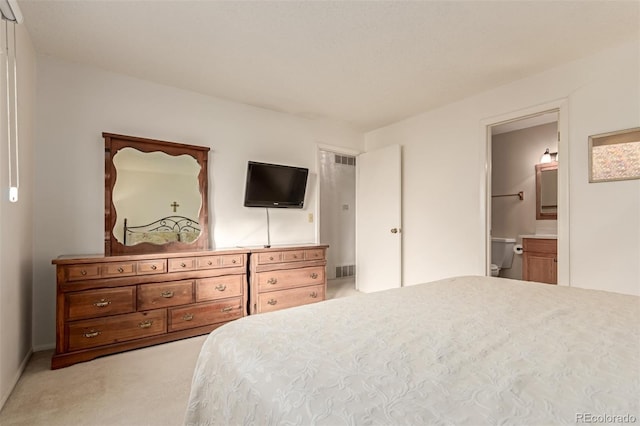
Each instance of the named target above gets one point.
<point>314,295</point>
<point>187,317</point>
<point>145,324</point>
<point>120,269</point>
<point>83,272</point>
<point>154,267</point>
<point>234,261</point>
<point>227,309</point>
<point>102,303</point>
<point>272,281</point>
<point>167,294</point>
<point>221,287</point>
<point>314,275</point>
<point>295,256</point>
<point>92,333</point>
<point>270,257</point>
<point>272,302</point>
<point>184,265</point>
<point>209,263</point>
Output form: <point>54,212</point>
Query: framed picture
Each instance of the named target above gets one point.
<point>614,156</point>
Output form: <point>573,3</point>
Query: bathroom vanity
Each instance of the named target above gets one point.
<point>540,259</point>
<point>540,251</point>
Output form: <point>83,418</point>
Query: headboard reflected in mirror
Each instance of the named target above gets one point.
<point>156,196</point>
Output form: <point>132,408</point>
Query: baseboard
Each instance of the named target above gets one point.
<point>16,377</point>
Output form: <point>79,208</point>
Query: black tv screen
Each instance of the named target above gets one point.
<point>274,185</point>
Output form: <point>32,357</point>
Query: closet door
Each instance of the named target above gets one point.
<point>378,220</point>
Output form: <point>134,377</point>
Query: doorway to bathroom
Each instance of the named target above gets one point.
<point>337,217</point>
<point>518,148</point>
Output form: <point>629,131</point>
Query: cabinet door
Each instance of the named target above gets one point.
<point>540,267</point>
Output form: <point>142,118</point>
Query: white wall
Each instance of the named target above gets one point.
<point>444,157</point>
<point>16,227</point>
<point>75,104</point>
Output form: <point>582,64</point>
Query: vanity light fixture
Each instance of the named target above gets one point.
<point>548,157</point>
<point>11,13</point>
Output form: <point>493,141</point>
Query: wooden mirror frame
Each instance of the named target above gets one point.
<point>539,169</point>
<point>114,143</point>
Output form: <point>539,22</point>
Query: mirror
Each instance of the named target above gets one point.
<point>547,191</point>
<point>155,196</point>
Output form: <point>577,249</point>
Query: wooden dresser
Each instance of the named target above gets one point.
<point>112,304</point>
<point>283,277</point>
<point>540,260</point>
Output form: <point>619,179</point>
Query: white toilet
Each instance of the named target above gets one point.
<point>501,254</point>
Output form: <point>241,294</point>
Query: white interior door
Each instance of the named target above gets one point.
<point>378,217</point>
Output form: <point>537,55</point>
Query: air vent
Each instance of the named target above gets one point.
<point>346,160</point>
<point>345,271</point>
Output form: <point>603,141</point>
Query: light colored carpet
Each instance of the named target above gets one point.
<point>147,386</point>
<point>341,287</point>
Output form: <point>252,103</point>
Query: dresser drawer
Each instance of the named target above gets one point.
<point>268,257</point>
<point>182,264</point>
<point>227,260</point>
<point>103,302</point>
<point>120,269</point>
<point>208,262</point>
<point>288,278</point>
<point>315,254</point>
<point>156,266</point>
<point>540,245</point>
<point>119,328</point>
<point>220,261</point>
<point>207,313</point>
<point>162,295</point>
<point>82,272</point>
<point>293,256</point>
<point>274,300</point>
<point>219,287</point>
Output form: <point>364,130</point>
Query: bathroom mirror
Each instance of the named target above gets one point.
<point>155,196</point>
<point>547,191</point>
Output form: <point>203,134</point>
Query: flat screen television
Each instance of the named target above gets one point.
<point>275,185</point>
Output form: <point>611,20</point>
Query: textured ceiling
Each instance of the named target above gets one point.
<point>368,63</point>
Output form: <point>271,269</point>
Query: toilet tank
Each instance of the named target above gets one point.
<point>502,251</point>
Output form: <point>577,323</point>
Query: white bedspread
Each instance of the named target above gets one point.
<point>467,350</point>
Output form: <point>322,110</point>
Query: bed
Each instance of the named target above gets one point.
<point>464,350</point>
<point>165,230</point>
